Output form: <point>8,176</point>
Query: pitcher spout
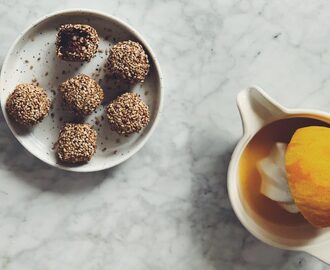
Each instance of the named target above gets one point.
<point>257,109</point>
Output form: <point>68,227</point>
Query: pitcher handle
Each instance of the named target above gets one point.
<point>257,109</point>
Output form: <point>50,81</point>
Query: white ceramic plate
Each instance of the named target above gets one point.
<point>32,57</point>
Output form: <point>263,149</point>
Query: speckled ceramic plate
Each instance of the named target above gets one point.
<point>32,58</point>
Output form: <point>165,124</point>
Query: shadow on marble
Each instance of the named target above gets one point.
<point>24,166</point>
<point>217,233</point>
<point>216,230</point>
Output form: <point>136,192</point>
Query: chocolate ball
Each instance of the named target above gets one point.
<point>76,42</point>
<point>128,61</point>
<point>81,94</point>
<point>128,114</point>
<point>28,104</point>
<point>76,143</point>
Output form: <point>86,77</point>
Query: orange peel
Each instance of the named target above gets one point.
<point>308,171</point>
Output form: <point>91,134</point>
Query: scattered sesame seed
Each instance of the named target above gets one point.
<point>97,121</point>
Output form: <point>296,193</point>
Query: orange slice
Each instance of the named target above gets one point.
<point>308,170</point>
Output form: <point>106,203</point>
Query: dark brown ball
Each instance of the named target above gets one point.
<point>28,104</point>
<point>76,42</point>
<point>76,143</point>
<point>82,94</point>
<point>128,114</point>
<point>128,61</point>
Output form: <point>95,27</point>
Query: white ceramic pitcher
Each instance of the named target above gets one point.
<point>257,110</point>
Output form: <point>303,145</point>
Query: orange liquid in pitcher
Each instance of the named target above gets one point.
<point>250,180</point>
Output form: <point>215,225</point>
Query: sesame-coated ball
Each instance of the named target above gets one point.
<point>28,104</point>
<point>81,94</point>
<point>76,143</point>
<point>128,114</point>
<point>128,61</point>
<point>76,42</point>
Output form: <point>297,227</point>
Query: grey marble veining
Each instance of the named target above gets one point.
<point>167,207</point>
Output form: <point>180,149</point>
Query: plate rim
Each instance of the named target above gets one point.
<point>159,108</point>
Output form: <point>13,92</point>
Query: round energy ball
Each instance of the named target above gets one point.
<point>81,94</point>
<point>128,61</point>
<point>128,114</point>
<point>76,42</point>
<point>28,104</point>
<point>76,143</point>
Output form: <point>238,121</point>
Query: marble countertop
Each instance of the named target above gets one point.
<point>167,207</point>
